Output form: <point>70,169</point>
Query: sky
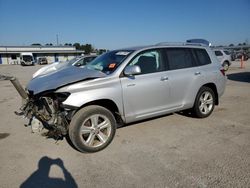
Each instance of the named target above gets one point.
<point>114,24</point>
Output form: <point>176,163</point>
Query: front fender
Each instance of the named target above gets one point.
<point>110,90</point>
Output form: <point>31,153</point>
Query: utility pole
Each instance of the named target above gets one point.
<point>57,40</point>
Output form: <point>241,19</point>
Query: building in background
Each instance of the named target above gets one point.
<point>11,54</point>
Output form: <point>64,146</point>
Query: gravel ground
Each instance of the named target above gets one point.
<point>170,151</point>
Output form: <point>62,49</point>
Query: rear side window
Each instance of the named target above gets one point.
<point>202,57</point>
<point>179,58</point>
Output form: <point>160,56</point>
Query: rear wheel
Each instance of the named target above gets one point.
<point>92,128</point>
<point>204,102</point>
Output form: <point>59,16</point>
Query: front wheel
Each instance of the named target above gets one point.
<point>92,128</point>
<point>204,102</point>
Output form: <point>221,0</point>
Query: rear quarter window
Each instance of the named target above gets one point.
<point>202,57</point>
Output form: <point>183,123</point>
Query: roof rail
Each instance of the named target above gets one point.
<point>179,44</point>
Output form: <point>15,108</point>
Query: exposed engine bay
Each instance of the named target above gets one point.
<point>44,111</point>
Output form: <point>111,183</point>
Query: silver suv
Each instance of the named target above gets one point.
<point>120,87</point>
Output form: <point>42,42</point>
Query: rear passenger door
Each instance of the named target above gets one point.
<point>184,76</point>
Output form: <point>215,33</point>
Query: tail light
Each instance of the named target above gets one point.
<point>222,71</point>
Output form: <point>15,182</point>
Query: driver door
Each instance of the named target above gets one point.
<point>147,94</point>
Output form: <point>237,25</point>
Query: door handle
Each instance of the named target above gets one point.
<point>197,73</point>
<point>164,78</point>
<point>130,85</point>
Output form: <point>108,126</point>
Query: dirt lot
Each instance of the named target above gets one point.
<point>171,151</point>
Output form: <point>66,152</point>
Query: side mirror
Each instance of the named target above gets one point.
<point>132,70</point>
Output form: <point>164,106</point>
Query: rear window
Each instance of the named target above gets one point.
<point>179,58</point>
<point>202,57</point>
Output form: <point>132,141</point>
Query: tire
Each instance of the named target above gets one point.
<point>204,102</point>
<point>92,128</point>
<point>225,65</point>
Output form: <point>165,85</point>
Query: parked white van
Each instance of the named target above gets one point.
<point>26,59</point>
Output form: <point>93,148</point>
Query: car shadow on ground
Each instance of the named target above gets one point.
<point>40,178</point>
<point>240,77</point>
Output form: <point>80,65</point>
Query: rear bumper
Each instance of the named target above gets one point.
<point>221,86</point>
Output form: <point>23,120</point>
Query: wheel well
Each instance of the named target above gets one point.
<point>213,87</point>
<point>226,61</point>
<point>110,105</point>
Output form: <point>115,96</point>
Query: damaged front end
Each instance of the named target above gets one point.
<point>43,105</point>
<point>43,110</point>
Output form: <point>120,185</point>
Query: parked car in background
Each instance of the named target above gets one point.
<point>123,86</point>
<point>233,56</point>
<point>42,60</point>
<point>77,62</point>
<point>240,54</point>
<point>26,59</point>
<point>224,57</point>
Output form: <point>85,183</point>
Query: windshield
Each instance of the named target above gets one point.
<point>27,58</point>
<point>108,62</point>
<point>227,52</point>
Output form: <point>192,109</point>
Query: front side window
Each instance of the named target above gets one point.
<point>179,58</point>
<point>149,62</point>
<point>218,53</point>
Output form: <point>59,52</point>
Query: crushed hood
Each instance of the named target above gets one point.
<point>64,76</point>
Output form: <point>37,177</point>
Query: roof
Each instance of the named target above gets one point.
<point>134,48</point>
